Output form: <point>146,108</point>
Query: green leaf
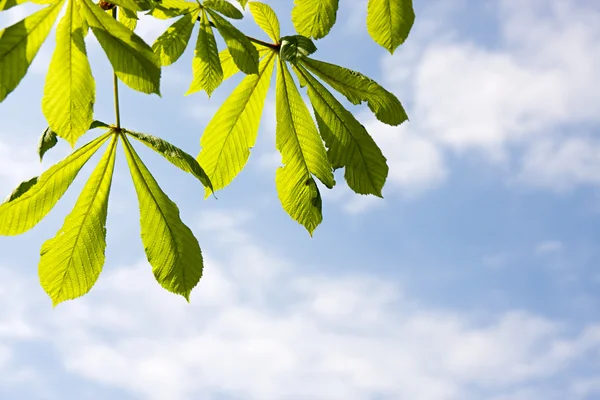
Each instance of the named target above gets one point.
<point>296,47</point>
<point>314,18</point>
<point>232,132</point>
<point>228,65</point>
<point>20,43</point>
<point>21,189</point>
<point>390,21</point>
<point>130,5</point>
<point>266,19</point>
<point>132,59</point>
<point>47,141</point>
<point>174,155</point>
<point>303,154</point>
<point>349,143</point>
<point>128,18</point>
<point>243,3</point>
<point>166,9</point>
<point>172,43</point>
<point>242,50</point>
<point>99,124</point>
<point>21,213</point>
<point>70,89</point>
<point>224,7</point>
<point>170,245</point>
<point>358,88</point>
<point>8,4</point>
<point>71,262</point>
<point>206,65</point>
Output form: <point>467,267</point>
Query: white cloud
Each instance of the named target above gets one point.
<point>548,247</point>
<point>260,327</point>
<point>534,91</point>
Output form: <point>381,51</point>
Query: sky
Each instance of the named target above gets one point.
<point>475,278</point>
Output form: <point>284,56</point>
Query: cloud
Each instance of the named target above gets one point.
<point>527,102</point>
<point>260,326</point>
<point>548,247</point>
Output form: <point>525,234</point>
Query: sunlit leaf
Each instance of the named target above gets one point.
<point>174,155</point>
<point>224,7</point>
<point>206,65</point>
<point>303,154</point>
<point>350,145</point>
<point>266,19</point>
<point>170,245</point>
<point>70,90</point>
<point>390,21</point>
<point>19,214</point>
<point>358,88</point>
<point>315,18</point>
<point>71,262</point>
<point>132,59</point>
<point>172,43</point>
<point>20,43</point>
<point>242,50</point>
<point>232,132</point>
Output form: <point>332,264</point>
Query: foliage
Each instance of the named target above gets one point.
<point>71,262</point>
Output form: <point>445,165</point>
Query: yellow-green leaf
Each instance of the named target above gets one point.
<point>224,7</point>
<point>303,154</point>
<point>166,9</point>
<point>206,65</point>
<point>242,50</point>
<point>128,18</point>
<point>390,21</point>
<point>70,90</point>
<point>314,18</point>
<point>20,43</point>
<point>243,3</point>
<point>228,65</point>
<point>170,245</point>
<point>266,19</point>
<point>232,132</point>
<point>132,59</point>
<point>172,43</point>
<point>19,214</point>
<point>8,4</point>
<point>358,88</point>
<point>174,155</point>
<point>350,145</point>
<point>71,262</point>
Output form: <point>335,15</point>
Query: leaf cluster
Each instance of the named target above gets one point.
<point>312,145</point>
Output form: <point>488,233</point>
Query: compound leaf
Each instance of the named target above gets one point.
<point>71,262</point>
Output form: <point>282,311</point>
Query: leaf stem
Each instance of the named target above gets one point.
<point>116,86</point>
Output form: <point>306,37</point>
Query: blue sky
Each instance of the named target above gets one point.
<point>474,279</point>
